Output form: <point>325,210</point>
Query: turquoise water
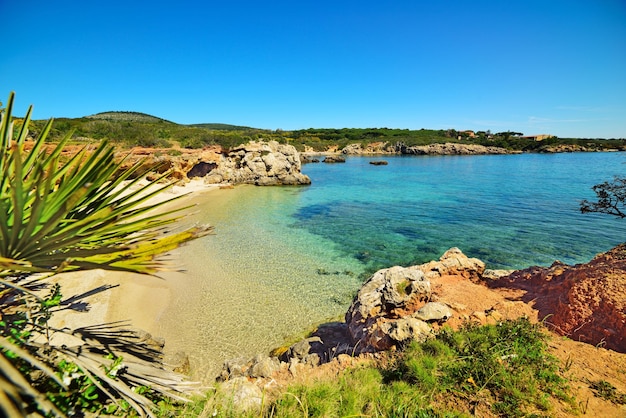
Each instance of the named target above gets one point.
<point>286,258</point>
<point>511,211</point>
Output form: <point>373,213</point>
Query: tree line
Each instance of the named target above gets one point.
<point>161,133</point>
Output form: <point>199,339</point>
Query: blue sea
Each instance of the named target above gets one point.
<point>286,258</point>
<point>511,211</point>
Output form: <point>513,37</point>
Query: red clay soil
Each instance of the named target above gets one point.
<point>585,302</point>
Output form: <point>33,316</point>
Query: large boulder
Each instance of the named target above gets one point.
<point>454,263</point>
<point>376,317</point>
<point>259,163</point>
<point>394,306</point>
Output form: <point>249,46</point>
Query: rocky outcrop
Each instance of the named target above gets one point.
<point>394,306</point>
<point>259,163</point>
<point>402,304</point>
<point>181,164</point>
<point>577,148</point>
<point>371,148</point>
<point>334,159</point>
<point>449,148</point>
<point>585,302</point>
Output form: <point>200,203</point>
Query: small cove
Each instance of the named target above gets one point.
<point>284,258</point>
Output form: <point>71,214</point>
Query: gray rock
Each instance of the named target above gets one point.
<point>434,311</point>
<point>241,394</point>
<point>389,308</point>
<point>352,149</point>
<point>490,274</point>
<point>385,296</point>
<point>312,360</point>
<point>334,159</point>
<point>449,148</point>
<point>233,368</point>
<point>454,262</point>
<point>405,330</point>
<point>260,163</point>
<point>303,348</point>
<point>264,366</point>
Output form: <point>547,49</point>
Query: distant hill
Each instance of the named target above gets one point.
<point>127,116</point>
<point>122,116</point>
<point>221,126</point>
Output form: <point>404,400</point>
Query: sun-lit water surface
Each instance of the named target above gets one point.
<point>284,258</point>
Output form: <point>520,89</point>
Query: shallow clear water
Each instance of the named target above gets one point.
<point>284,258</point>
<point>511,211</point>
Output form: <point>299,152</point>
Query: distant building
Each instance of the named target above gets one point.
<point>539,137</point>
<point>466,134</point>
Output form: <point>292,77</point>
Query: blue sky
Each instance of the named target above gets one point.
<point>547,66</point>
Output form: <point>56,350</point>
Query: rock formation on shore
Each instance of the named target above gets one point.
<point>449,148</point>
<point>259,163</point>
<point>400,304</point>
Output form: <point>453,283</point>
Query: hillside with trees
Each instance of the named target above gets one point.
<point>129,129</point>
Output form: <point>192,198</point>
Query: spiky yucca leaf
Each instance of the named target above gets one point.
<point>60,216</point>
<point>53,215</point>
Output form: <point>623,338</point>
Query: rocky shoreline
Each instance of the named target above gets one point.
<point>401,304</point>
<point>273,164</point>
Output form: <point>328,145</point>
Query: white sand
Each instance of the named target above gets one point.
<point>138,299</point>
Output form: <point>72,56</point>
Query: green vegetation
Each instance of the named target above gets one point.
<point>65,216</point>
<point>132,128</point>
<point>127,116</point>
<point>607,391</point>
<point>504,368</point>
<point>611,198</point>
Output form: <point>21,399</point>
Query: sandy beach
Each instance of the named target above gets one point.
<point>136,299</point>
